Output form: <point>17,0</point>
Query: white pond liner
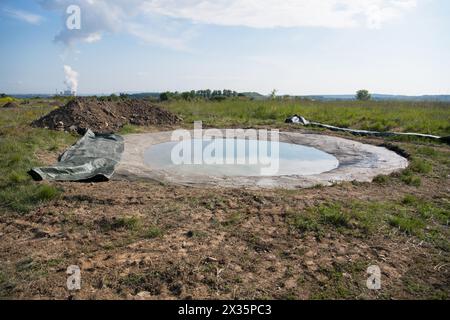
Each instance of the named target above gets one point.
<point>147,156</point>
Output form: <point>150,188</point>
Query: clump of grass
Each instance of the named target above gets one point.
<point>409,225</point>
<point>233,219</point>
<point>303,222</point>
<point>356,217</point>
<point>128,223</point>
<point>420,166</point>
<point>46,192</point>
<point>153,232</point>
<point>427,151</point>
<point>129,128</point>
<point>23,197</point>
<point>17,177</point>
<point>6,286</point>
<point>410,179</point>
<point>334,215</point>
<point>428,210</point>
<point>409,199</point>
<point>337,286</point>
<point>381,179</point>
<point>25,264</point>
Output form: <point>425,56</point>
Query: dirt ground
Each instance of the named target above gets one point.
<point>11,105</point>
<point>150,240</point>
<point>103,116</point>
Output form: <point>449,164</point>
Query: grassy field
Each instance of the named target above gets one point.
<point>421,117</point>
<point>150,239</point>
<point>19,148</point>
<point>5,100</point>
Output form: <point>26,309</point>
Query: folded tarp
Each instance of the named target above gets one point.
<point>93,157</point>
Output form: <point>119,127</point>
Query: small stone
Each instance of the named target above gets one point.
<point>310,254</point>
<point>271,257</point>
<point>237,268</point>
<point>311,265</point>
<point>321,278</point>
<point>290,284</point>
<point>60,126</point>
<point>144,295</point>
<point>211,259</point>
<point>346,275</point>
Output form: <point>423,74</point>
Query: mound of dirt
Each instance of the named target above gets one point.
<point>11,104</point>
<point>104,116</point>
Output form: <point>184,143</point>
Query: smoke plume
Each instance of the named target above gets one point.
<point>71,78</point>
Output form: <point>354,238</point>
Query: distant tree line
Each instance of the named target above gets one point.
<point>199,94</point>
<point>114,97</point>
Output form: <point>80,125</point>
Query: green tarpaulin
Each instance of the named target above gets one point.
<point>93,157</point>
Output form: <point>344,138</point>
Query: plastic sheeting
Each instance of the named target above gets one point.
<point>92,158</point>
<point>300,120</point>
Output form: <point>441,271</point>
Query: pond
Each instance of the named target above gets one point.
<point>228,157</point>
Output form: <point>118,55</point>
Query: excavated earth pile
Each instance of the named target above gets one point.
<point>10,105</point>
<point>104,116</point>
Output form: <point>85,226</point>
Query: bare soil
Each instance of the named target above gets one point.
<point>11,105</point>
<point>148,240</point>
<point>103,116</point>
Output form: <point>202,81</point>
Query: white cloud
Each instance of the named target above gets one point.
<point>163,38</point>
<point>163,22</point>
<point>118,16</point>
<point>28,17</point>
<point>93,37</point>
<point>286,13</point>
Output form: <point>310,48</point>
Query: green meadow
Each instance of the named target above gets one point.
<point>20,145</point>
<point>421,117</point>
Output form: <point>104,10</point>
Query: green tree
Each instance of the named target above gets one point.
<point>165,96</point>
<point>273,94</point>
<point>186,95</point>
<point>113,97</point>
<point>363,95</point>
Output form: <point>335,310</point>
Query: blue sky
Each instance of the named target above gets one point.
<point>294,46</point>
